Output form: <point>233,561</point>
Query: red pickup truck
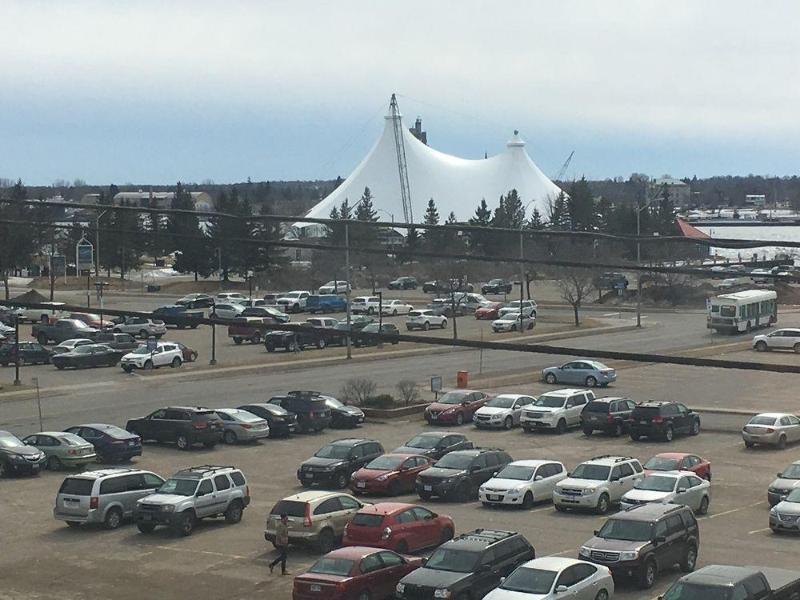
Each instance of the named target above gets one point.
<point>249,328</point>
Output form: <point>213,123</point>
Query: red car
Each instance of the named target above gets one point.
<point>398,526</point>
<point>679,461</point>
<point>355,572</point>
<point>390,474</point>
<point>189,355</point>
<point>489,312</point>
<point>92,320</point>
<point>456,407</point>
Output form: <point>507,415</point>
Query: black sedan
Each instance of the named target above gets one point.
<point>403,283</point>
<point>385,328</point>
<point>32,353</point>
<point>83,357</point>
<point>281,421</point>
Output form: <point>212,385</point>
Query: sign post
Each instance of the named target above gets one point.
<point>84,261</point>
<point>436,385</point>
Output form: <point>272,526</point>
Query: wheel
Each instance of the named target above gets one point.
<point>182,442</point>
<point>669,434</point>
<point>513,328</point>
<point>237,340</point>
<point>703,506</point>
<point>186,524</point>
<point>270,347</point>
<point>749,444</point>
<point>370,311</point>
<point>73,524</point>
<point>591,381</point>
<point>425,495</point>
<point>233,514</point>
<point>749,327</point>
<point>146,527</point>
<point>341,481</point>
<point>618,430</point>
<point>550,378</point>
<point>460,419</point>
<point>689,559</point>
<point>42,339</point>
<point>761,346</point>
<point>113,518</point>
<point>695,428</point>
<point>508,423</point>
<point>148,366</point>
<point>296,308</point>
<point>782,442</point>
<point>561,428</point>
<point>402,547</point>
<point>527,501</point>
<point>797,348</point>
<point>444,324</point>
<point>326,541</point>
<point>127,369</point>
<point>143,334</point>
<point>53,463</point>
<point>230,437</point>
<point>394,312</point>
<point>603,504</point>
<point>176,362</point>
<point>321,343</point>
<point>426,326</point>
<point>560,508</point>
<point>601,595</point>
<point>647,575</point>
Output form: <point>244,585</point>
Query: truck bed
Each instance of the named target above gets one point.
<point>782,581</point>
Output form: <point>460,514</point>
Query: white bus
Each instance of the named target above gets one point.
<point>742,311</point>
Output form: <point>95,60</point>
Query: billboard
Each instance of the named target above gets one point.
<point>84,255</point>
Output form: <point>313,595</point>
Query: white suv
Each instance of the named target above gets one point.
<point>529,308</point>
<point>334,287</point>
<point>425,319</point>
<point>598,483</point>
<point>781,339</point>
<point>368,305</point>
<point>164,354</point>
<point>559,410</point>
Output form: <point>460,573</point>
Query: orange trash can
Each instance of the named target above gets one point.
<point>462,379</point>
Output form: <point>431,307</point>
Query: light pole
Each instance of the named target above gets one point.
<point>97,244</point>
<point>639,210</point>
<point>386,212</point>
<point>347,286</point>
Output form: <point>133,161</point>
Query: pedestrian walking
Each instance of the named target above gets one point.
<point>282,543</point>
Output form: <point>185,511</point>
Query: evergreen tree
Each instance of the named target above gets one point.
<point>535,222</point>
<point>365,211</point>
<point>227,232</point>
<point>514,210</point>
<point>17,241</point>
<point>480,241</point>
<point>558,214</point>
<point>665,213</point>
<point>124,243</point>
<point>604,211</point>
<point>580,206</point>
<point>433,238</point>
<point>187,237</point>
<point>431,214</point>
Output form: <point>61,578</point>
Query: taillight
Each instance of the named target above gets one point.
<point>200,425</point>
<point>610,418</point>
<point>307,520</point>
<point>658,419</point>
<point>387,533</point>
<point>93,502</point>
<point>118,443</point>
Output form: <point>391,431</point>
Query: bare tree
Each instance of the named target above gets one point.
<point>575,285</point>
<point>357,390</point>
<point>408,390</point>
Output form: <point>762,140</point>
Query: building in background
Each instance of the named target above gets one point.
<point>141,199</point>
<point>680,192</point>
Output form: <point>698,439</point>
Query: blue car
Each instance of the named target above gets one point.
<point>325,303</point>
<point>581,372</point>
<point>111,443</point>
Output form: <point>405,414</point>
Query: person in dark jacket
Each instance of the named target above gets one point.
<point>282,543</point>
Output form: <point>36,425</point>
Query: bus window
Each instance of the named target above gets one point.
<point>727,311</point>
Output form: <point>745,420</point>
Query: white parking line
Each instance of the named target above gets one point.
<point>191,551</point>
<point>758,531</point>
<point>733,510</point>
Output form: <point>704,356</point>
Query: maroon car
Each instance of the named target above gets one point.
<point>679,461</point>
<point>489,312</point>
<point>456,407</point>
<point>390,474</point>
<point>399,527</point>
<point>355,572</point>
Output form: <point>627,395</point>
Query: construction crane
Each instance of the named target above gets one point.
<point>564,167</point>
<point>402,167</point>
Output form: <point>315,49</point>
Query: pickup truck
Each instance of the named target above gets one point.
<point>294,340</point>
<point>178,315</point>
<point>723,582</point>
<point>325,303</point>
<point>142,327</point>
<point>61,330</point>
<point>249,328</point>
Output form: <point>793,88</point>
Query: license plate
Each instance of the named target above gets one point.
<point>131,443</point>
<point>146,517</point>
<point>494,498</point>
<point>316,588</point>
<point>642,422</point>
<point>361,484</point>
<point>308,475</point>
<point>427,488</point>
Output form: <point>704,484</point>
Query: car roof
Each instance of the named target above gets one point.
<point>513,396</point>
<point>654,403</point>
<point>774,415</point>
<point>53,433</point>
<point>100,473</point>
<point>191,408</point>
<point>312,496</point>
<point>97,425</point>
<point>531,462</point>
<point>401,455</point>
<point>610,399</point>
<point>349,441</point>
<point>672,474</point>
<point>353,552</point>
<point>648,512</point>
<point>551,563</point>
<point>386,508</point>
<point>720,574</point>
<point>675,455</point>
<point>609,460</point>
<point>438,434</point>
<point>564,392</point>
<point>479,539</point>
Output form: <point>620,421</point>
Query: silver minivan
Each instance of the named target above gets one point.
<point>106,496</point>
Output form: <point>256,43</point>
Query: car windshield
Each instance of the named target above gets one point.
<point>458,561</point>
<point>333,451</point>
<point>549,401</point>
<point>70,439</point>
<point>9,441</point>
<point>762,420</point>
<point>791,472</point>
<point>794,496</point>
<point>455,461</point>
<point>501,402</point>
<point>333,403</point>
<point>622,529</point>
<point>82,350</point>
<point>292,295</point>
<point>386,463</point>
<point>659,463</point>
<point>516,472</point>
<point>452,398</point>
<point>656,483</point>
<point>426,442</point>
<point>371,328</point>
<point>530,581</point>
<point>332,566</point>
<point>513,304</point>
<point>596,472</point>
<point>141,350</point>
<point>727,311</point>
<point>597,407</point>
<point>512,316</point>
<point>179,487</point>
<point>692,591</point>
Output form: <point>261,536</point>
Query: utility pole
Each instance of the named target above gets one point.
<point>347,288</point>
<point>97,244</point>
<point>16,350</point>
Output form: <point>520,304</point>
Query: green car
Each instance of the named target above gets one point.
<point>63,450</point>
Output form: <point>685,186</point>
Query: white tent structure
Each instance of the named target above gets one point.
<point>456,184</point>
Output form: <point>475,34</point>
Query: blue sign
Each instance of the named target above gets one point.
<point>152,344</point>
<point>84,255</point>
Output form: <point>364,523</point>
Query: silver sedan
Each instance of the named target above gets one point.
<point>242,426</point>
<point>772,429</point>
<point>556,578</point>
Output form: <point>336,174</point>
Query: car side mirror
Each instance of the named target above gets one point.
<point>538,478</point>
<point>424,561</point>
<point>464,402</point>
<point>561,589</point>
<point>595,532</point>
<point>615,478</point>
<point>660,539</point>
<point>569,473</point>
<point>495,474</point>
<point>484,568</point>
<point>681,490</point>
<point>780,475</point>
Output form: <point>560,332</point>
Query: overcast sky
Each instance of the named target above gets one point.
<point>155,92</point>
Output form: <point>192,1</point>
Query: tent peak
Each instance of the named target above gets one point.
<point>515,141</point>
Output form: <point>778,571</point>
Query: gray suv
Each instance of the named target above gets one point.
<point>193,494</point>
<point>106,496</point>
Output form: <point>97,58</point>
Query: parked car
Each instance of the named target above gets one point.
<point>435,286</point>
<point>398,526</point>
<point>663,420</point>
<point>85,356</point>
<point>490,312</point>
<point>17,458</point>
<point>678,461</point>
<point>522,482</point>
<point>230,298</point>
<point>30,353</point>
<point>455,406</point>
<point>676,487</point>
<point>468,566</point>
<point>354,572</point>
<point>63,329</point>
<point>459,474</point>
<point>335,463</point>
<point>63,450</point>
<point>529,308</point>
<point>196,301</point>
<point>554,578</point>
<point>582,372</point>
<point>395,307</point>
<point>785,515</point>
<point>334,287</point>
<point>780,339</point>
<point>365,305</point>
<point>117,341</point>
<point>644,541</point>
<point>329,303</point>
<point>403,283</point>
<point>389,329</point>
<point>425,319</point>
<point>105,497</point>
<point>241,426</point>
<point>252,329</point>
<point>435,444</point>
<point>183,425</point>
<point>229,310</point>
<point>323,322</point>
<point>164,354</point>
<point>771,429</point>
<point>178,315</point>
<point>49,313</point>
<point>70,345</point>
<point>193,494</point>
<point>497,286</point>
<point>281,422</point>
<point>111,443</point>
<point>598,483</point>
<point>265,312</point>
<point>315,518</point>
<point>188,354</point>
<point>293,302</point>
<point>92,320</point>
<point>513,321</point>
<point>788,480</point>
<point>142,327</point>
<point>558,410</point>
<point>504,410</point>
<point>390,474</point>
<point>739,583</point>
<point>610,415</point>
<point>311,411</point>
<point>296,340</point>
<point>445,307</point>
<point>468,302</point>
<point>611,281</point>
<point>342,415</point>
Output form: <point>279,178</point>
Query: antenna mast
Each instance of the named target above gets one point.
<point>402,167</point>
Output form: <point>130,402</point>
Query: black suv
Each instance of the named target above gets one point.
<point>403,283</point>
<point>435,444</point>
<point>642,541</point>
<point>459,474</point>
<point>184,425</point>
<point>312,412</point>
<point>296,340</point>
<point>281,421</point>
<point>610,415</point>
<point>468,566</point>
<point>663,420</point>
<point>332,465</point>
<point>31,353</point>
<point>342,415</point>
<point>374,328</point>
<point>497,286</point>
